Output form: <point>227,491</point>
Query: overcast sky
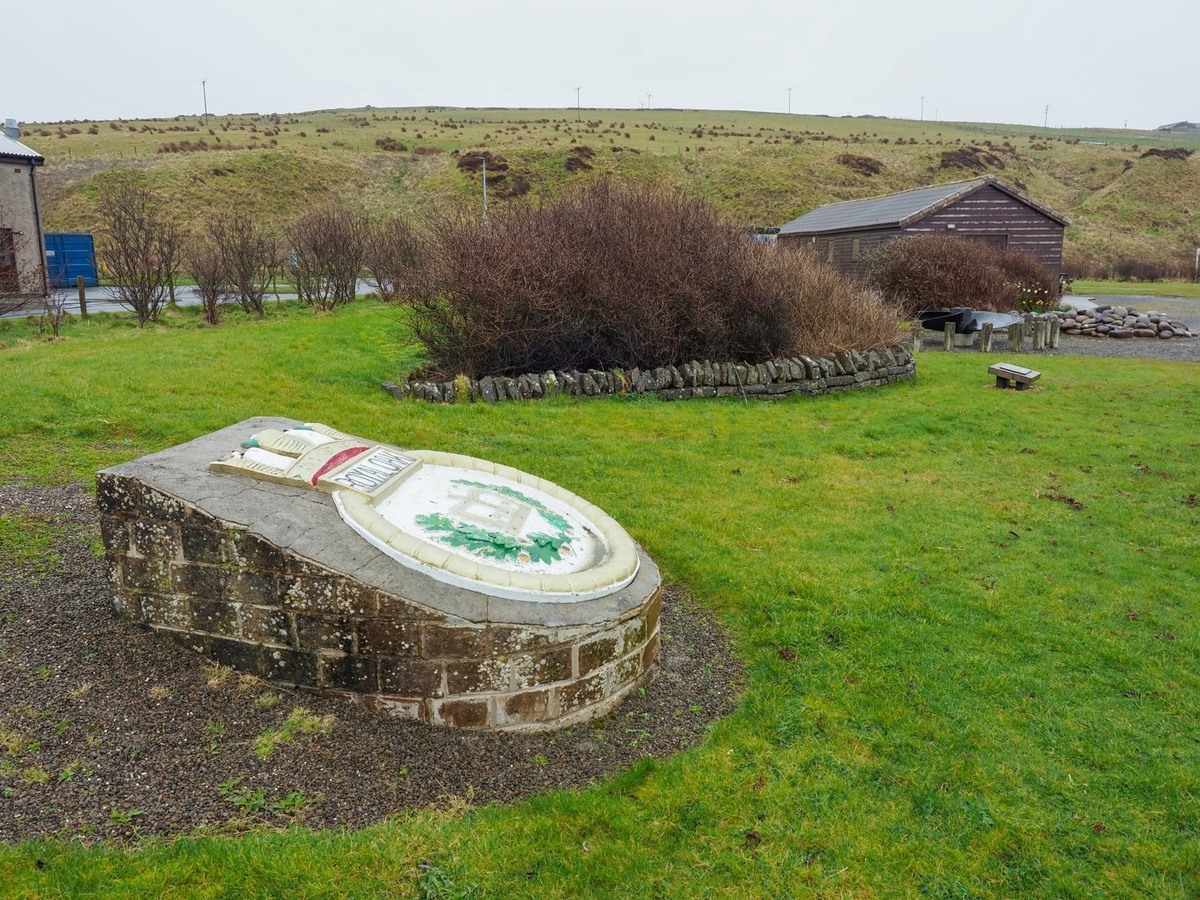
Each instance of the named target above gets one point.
<point>1098,63</point>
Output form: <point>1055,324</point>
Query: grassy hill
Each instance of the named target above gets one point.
<point>761,168</point>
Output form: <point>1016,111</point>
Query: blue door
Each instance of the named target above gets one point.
<point>69,255</point>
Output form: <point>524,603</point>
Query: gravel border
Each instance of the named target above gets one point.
<point>109,731</point>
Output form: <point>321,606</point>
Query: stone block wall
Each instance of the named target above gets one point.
<point>828,374</point>
<point>244,602</point>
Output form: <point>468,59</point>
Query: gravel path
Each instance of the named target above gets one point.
<point>108,731</point>
<point>1177,349</point>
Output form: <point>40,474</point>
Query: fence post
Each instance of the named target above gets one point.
<point>82,297</point>
<point>1055,332</point>
<point>948,338</point>
<point>1039,335</point>
<point>1016,336</point>
<point>985,341</point>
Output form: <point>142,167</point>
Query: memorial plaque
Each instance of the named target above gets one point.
<point>462,520</point>
<point>414,582</point>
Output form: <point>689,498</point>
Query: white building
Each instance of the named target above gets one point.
<point>22,247</point>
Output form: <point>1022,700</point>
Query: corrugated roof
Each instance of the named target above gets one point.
<point>900,209</point>
<point>10,149</point>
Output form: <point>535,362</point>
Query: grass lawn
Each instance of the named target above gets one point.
<point>969,620</point>
<point>1130,288</point>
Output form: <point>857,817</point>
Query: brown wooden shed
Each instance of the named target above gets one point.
<point>983,209</point>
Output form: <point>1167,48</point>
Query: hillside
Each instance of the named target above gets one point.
<point>760,168</point>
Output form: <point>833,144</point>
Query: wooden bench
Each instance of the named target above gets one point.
<point>1008,375</point>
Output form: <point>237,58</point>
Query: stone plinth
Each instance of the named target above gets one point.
<point>268,579</point>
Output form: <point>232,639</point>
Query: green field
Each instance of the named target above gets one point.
<point>1147,289</point>
<point>760,168</point>
<point>969,622</point>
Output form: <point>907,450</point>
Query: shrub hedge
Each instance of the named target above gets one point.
<point>932,271</point>
<point>613,276</point>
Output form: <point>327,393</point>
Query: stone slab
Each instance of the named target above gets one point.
<point>307,523</point>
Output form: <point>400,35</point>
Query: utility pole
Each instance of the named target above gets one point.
<point>577,90</point>
<point>789,101</point>
<point>204,88</point>
<point>922,109</point>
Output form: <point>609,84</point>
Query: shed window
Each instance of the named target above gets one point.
<point>829,256</point>
<point>855,249</point>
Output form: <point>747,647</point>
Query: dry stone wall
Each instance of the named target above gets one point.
<point>828,374</point>
<point>221,590</point>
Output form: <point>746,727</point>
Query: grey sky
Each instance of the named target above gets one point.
<point>1095,63</point>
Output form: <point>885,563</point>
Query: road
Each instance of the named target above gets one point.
<point>100,299</point>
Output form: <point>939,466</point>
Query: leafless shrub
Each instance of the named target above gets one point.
<point>1129,269</point>
<point>613,276</point>
<point>207,266</point>
<point>831,311</point>
<point>1172,267</point>
<point>933,271</point>
<point>326,255</point>
<point>250,257</point>
<point>1083,264</point>
<point>55,303</point>
<point>139,244</point>
<point>391,255</point>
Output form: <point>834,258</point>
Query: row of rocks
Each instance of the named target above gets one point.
<point>831,373</point>
<point>1122,322</point>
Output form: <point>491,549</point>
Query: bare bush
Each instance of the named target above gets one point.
<point>207,266</point>
<point>1128,269</point>
<point>609,276</point>
<point>1083,264</point>
<point>391,256</point>
<point>831,311</point>
<point>933,271</point>
<point>327,255</point>
<point>1165,267</point>
<point>139,244</point>
<point>55,302</point>
<point>250,257</point>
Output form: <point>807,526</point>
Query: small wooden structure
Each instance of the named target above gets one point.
<point>984,209</point>
<point>1008,375</point>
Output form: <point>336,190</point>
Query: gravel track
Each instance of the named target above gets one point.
<point>108,731</point>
